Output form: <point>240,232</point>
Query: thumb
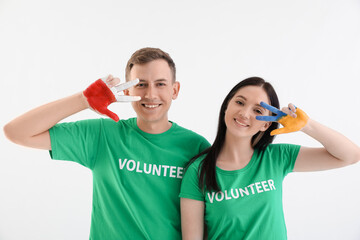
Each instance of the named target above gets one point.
<point>111,115</point>
<point>280,131</point>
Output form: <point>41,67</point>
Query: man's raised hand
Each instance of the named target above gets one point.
<point>105,91</point>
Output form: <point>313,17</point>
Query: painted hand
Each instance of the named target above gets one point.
<point>100,95</point>
<point>291,123</point>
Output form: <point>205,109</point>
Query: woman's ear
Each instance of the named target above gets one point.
<point>266,126</point>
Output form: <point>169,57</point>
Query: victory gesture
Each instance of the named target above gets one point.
<point>105,91</point>
<point>293,119</point>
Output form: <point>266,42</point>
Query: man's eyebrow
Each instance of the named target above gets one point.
<point>157,80</point>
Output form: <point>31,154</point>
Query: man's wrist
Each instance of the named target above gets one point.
<point>83,100</point>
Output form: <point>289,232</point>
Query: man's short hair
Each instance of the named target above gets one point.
<point>146,55</point>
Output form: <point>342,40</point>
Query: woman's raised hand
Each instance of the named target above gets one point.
<point>292,118</point>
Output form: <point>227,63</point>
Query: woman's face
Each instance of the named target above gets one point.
<point>243,108</point>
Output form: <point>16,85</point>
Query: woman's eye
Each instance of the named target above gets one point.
<point>258,111</point>
<point>240,102</point>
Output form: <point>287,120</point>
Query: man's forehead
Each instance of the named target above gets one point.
<point>152,71</point>
<point>142,80</point>
<point>152,76</point>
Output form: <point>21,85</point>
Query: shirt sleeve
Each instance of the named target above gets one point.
<point>190,184</point>
<point>288,153</point>
<point>76,141</point>
<point>204,145</point>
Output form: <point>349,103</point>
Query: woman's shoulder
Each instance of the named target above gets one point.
<point>281,146</point>
<point>280,150</point>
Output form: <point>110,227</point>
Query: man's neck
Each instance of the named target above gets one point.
<point>154,127</point>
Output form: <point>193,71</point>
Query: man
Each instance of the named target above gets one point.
<point>137,164</point>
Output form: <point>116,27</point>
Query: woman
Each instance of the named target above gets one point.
<point>234,188</point>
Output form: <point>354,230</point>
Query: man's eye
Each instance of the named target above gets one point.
<point>161,84</point>
<point>140,85</point>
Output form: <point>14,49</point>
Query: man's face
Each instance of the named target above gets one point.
<point>156,89</point>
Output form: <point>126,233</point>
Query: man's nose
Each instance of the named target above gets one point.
<point>150,92</point>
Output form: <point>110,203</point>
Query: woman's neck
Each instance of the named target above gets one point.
<point>235,154</point>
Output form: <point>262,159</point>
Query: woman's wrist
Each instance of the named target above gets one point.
<point>308,127</point>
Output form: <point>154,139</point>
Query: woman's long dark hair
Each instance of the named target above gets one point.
<point>207,173</point>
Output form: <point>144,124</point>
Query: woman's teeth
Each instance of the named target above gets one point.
<point>242,124</point>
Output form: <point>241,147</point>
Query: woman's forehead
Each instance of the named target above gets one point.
<point>253,94</point>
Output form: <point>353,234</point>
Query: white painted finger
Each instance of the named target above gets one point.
<point>126,98</point>
<point>126,85</point>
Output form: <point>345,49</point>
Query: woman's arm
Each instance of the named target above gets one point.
<point>192,219</point>
<point>338,151</point>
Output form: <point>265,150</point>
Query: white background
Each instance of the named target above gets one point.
<point>308,49</point>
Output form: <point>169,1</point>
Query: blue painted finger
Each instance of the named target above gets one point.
<point>267,118</point>
<point>278,112</point>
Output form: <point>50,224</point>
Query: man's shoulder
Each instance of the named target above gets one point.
<point>185,130</point>
<point>189,133</point>
<point>125,123</point>
<point>96,125</point>
<point>196,163</point>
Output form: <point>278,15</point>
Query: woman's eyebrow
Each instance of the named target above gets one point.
<point>258,105</point>
<point>241,96</point>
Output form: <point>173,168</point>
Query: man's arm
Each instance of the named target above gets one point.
<point>32,128</point>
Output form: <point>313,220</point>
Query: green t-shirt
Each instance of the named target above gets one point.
<point>249,205</point>
<point>136,175</point>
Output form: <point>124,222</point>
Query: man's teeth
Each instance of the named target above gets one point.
<point>151,106</point>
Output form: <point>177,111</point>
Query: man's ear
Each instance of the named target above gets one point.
<point>266,126</point>
<point>176,89</point>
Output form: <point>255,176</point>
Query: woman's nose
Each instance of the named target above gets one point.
<point>244,113</point>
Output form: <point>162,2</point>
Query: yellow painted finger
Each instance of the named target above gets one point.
<point>280,131</point>
<point>292,124</point>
